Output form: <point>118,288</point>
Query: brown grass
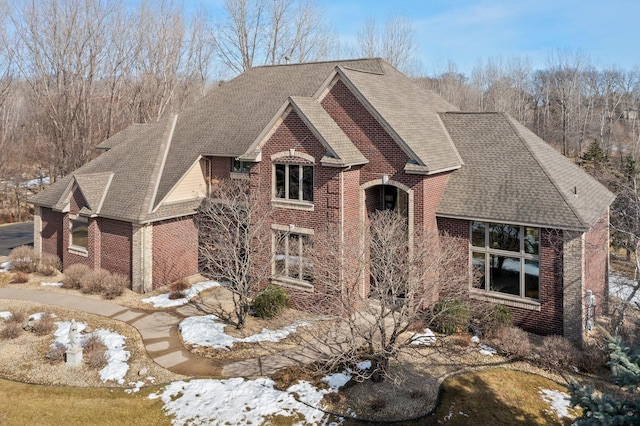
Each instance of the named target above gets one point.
<point>22,404</point>
<point>497,397</point>
<point>19,277</point>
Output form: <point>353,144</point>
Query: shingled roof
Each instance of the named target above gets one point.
<point>512,175</point>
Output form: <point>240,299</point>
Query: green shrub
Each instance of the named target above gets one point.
<point>270,301</point>
<point>74,274</point>
<point>451,316</point>
<point>24,258</point>
<point>494,317</point>
<point>49,265</point>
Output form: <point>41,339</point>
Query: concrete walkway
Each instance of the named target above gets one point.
<point>159,330</point>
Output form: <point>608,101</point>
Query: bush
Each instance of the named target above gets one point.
<point>558,353</point>
<point>174,295</point>
<point>24,258</point>
<point>270,301</point>
<point>96,360</point>
<point>494,317</point>
<point>74,275</point>
<point>20,278</point>
<point>94,351</point>
<point>513,342</point>
<point>11,330</point>
<point>94,281</point>
<point>56,353</point>
<point>45,325</point>
<point>180,285</point>
<point>18,317</point>
<point>451,316</point>
<point>593,357</point>
<point>114,286</point>
<point>49,265</point>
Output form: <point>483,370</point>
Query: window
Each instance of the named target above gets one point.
<point>506,259</point>
<point>80,232</point>
<point>238,166</point>
<point>294,182</point>
<point>292,259</point>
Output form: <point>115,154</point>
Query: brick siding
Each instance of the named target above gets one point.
<point>175,250</point>
<point>52,232</point>
<point>596,261</point>
<point>116,246</point>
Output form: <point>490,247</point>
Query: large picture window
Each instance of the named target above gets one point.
<point>294,182</point>
<point>80,232</point>
<point>292,256</point>
<point>506,259</point>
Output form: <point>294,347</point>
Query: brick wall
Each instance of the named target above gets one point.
<point>175,250</point>
<point>596,245</point>
<point>549,320</point>
<point>116,240</point>
<point>52,231</point>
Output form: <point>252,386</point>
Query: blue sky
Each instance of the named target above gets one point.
<point>465,31</point>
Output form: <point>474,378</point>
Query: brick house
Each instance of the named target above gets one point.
<point>327,143</point>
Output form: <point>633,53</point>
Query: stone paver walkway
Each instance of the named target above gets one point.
<point>159,329</point>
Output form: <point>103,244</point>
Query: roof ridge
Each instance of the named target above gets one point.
<point>544,169</point>
<point>154,183</point>
<point>335,61</point>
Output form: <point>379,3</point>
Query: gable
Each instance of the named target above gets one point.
<point>191,186</point>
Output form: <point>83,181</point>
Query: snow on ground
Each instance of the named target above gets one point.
<point>621,288</point>
<point>163,301</point>
<point>559,401</point>
<point>5,266</point>
<point>5,315</point>
<point>238,401</point>
<point>426,338</point>
<point>44,284</point>
<point>475,339</point>
<point>363,365</point>
<point>117,357</point>
<point>487,350</point>
<point>205,331</point>
<point>336,380</point>
<point>137,385</point>
<point>38,315</point>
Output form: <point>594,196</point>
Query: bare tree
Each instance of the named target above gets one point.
<point>407,277</point>
<point>234,237</point>
<point>260,32</point>
<point>395,42</point>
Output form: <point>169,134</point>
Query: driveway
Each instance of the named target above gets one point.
<point>14,235</point>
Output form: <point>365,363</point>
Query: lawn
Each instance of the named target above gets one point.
<point>499,397</point>
<point>22,404</point>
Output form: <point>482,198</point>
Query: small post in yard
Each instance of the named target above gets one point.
<point>74,353</point>
<point>591,303</point>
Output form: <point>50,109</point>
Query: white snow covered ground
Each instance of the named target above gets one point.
<point>239,402</point>
<point>425,338</point>
<point>45,284</point>
<point>560,402</point>
<point>163,301</point>
<point>116,355</point>
<point>206,331</point>
<point>5,315</point>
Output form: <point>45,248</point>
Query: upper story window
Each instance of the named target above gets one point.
<point>294,182</point>
<point>80,232</point>
<point>238,166</point>
<point>506,258</point>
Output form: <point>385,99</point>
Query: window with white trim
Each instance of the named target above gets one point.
<point>506,259</point>
<point>79,232</point>
<point>292,256</point>
<point>294,182</point>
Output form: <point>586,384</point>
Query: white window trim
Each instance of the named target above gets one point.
<point>521,255</point>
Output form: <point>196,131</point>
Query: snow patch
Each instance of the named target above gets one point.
<point>51,284</point>
<point>336,380</point>
<point>475,339</point>
<point>5,315</point>
<point>116,356</point>
<point>559,401</point>
<point>425,338</point>
<point>163,301</point>
<point>238,401</point>
<point>487,350</point>
<point>363,365</point>
<point>5,266</point>
<point>205,331</point>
